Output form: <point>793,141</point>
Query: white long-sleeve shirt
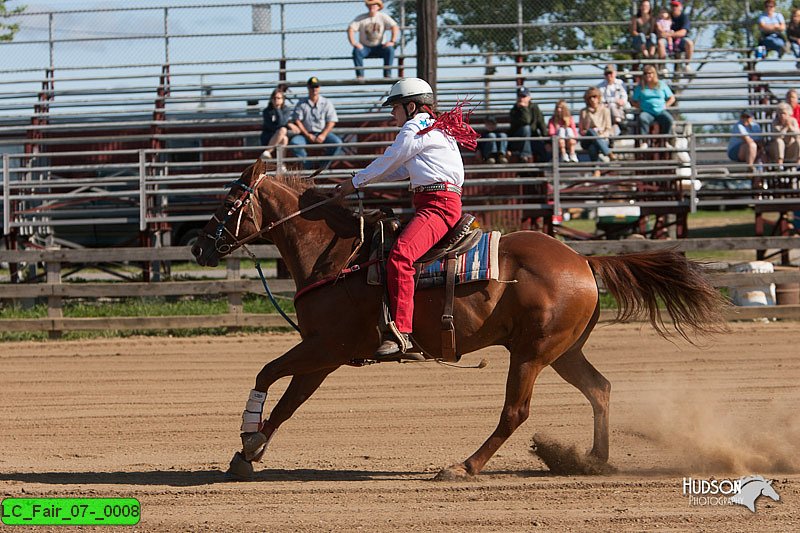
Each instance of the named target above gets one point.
<point>426,159</point>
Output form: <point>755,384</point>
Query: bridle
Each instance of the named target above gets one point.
<point>246,198</point>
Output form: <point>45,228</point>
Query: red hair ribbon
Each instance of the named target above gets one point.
<point>452,123</point>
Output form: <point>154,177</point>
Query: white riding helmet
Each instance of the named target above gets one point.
<point>410,90</point>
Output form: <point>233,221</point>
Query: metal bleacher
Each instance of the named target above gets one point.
<point>150,146</point>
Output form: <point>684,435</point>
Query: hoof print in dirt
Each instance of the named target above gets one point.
<point>567,460</point>
<point>453,473</point>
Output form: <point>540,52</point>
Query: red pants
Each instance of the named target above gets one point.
<point>436,213</point>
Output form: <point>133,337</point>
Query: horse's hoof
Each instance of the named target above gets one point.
<point>253,445</point>
<point>240,469</point>
<point>453,473</point>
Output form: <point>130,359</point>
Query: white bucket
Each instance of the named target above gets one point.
<point>754,295</point>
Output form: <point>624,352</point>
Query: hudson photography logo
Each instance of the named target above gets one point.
<point>743,491</point>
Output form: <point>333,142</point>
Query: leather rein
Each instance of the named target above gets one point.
<point>237,206</point>
<point>244,200</point>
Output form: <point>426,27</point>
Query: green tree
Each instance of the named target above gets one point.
<point>555,25</point>
<point>7,31</point>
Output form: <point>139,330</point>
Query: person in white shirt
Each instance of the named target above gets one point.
<point>425,151</point>
<point>370,28</point>
<point>614,95</point>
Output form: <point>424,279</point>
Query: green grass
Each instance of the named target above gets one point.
<point>141,307</point>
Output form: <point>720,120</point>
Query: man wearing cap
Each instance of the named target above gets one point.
<point>315,117</point>
<point>527,120</point>
<point>744,145</point>
<point>614,94</point>
<point>370,27</point>
<point>679,33</point>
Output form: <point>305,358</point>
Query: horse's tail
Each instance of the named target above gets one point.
<point>639,280</point>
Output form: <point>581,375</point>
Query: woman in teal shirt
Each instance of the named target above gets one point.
<point>652,97</point>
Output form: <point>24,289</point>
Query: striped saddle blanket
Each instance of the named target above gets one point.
<point>476,264</point>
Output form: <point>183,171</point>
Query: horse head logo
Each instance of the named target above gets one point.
<point>751,488</point>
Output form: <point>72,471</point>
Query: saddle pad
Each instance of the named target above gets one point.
<point>476,264</point>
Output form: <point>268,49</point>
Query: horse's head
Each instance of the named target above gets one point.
<point>237,218</point>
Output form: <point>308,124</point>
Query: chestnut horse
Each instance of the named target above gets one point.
<point>544,318</point>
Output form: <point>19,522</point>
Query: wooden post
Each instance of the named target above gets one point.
<point>427,33</point>
<point>54,309</point>
<point>234,298</point>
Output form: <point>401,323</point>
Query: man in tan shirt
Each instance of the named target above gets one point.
<point>370,27</point>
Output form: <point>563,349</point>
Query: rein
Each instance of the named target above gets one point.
<point>244,200</point>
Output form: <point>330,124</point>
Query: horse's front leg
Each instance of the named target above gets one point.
<point>309,367</point>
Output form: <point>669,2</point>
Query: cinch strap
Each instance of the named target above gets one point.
<point>449,187</point>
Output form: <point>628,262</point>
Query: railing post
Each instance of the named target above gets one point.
<point>234,298</point>
<point>54,303</point>
<point>693,163</point>
<point>556,178</point>
<point>6,194</point>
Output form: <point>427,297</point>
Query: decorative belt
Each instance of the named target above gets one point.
<point>434,187</point>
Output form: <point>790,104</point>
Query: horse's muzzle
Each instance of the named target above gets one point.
<point>205,255</point>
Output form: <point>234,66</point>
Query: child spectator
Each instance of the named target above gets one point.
<point>370,28</point>
<point>793,34</point>
<point>562,125</point>
<point>643,30</point>
<point>791,99</point>
<point>679,34</point>
<point>595,122</point>
<point>744,146</point>
<point>664,28</point>
<point>772,26</point>
<point>494,150</point>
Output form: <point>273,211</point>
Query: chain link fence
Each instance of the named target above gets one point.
<point>133,34</point>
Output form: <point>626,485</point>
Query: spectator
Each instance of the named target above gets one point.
<point>643,31</point>
<point>679,35</point>
<point>314,118</point>
<point>744,146</point>
<point>527,120</point>
<point>615,96</point>
<point>562,125</point>
<point>772,26</point>
<point>793,34</point>
<point>652,97</point>
<point>664,28</point>
<point>494,150</point>
<point>784,146</point>
<point>276,129</point>
<point>595,122</point>
<point>791,99</point>
<point>371,27</point>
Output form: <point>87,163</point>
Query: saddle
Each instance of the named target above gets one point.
<point>463,236</point>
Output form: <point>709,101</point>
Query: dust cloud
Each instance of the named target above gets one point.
<point>715,432</point>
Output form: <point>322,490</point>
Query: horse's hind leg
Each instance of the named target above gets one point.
<point>519,389</point>
<point>577,371</point>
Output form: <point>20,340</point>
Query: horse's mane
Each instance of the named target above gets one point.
<point>306,189</point>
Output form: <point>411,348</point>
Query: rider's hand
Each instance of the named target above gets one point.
<point>345,188</point>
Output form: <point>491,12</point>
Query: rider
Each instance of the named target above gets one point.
<point>426,151</point>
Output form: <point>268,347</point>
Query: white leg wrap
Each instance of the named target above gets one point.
<point>251,417</point>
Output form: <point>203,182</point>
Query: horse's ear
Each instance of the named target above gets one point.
<point>258,166</point>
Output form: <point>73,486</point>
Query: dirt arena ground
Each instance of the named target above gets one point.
<point>157,419</point>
